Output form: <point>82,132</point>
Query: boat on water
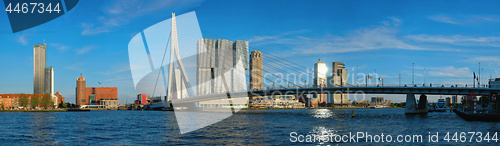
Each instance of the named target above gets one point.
<point>441,106</point>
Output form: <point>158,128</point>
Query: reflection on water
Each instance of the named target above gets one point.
<point>259,127</point>
<point>321,113</point>
<point>43,128</point>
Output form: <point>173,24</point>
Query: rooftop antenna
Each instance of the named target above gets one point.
<point>44,42</point>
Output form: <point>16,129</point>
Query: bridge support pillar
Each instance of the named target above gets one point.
<point>411,104</point>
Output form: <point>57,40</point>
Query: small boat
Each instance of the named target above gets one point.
<point>441,106</point>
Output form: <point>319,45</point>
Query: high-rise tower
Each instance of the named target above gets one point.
<point>39,61</point>
<point>338,79</point>
<point>320,70</point>
<point>256,72</point>
<point>81,91</point>
<point>221,66</point>
<point>49,80</point>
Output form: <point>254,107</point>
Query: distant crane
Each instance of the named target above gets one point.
<point>100,83</point>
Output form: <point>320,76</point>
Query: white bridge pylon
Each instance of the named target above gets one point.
<point>178,81</point>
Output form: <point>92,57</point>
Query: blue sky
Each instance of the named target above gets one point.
<point>448,38</point>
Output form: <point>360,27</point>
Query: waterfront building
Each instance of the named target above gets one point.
<point>364,103</point>
<point>60,98</point>
<point>39,62</point>
<point>494,83</point>
<point>80,91</point>
<point>49,80</point>
<point>49,84</point>
<point>142,98</point>
<point>377,100</point>
<point>454,99</point>
<point>11,101</point>
<point>224,103</point>
<point>221,64</point>
<point>338,79</point>
<point>320,70</point>
<point>109,102</point>
<point>448,101</point>
<point>92,95</point>
<point>380,102</point>
<point>256,73</point>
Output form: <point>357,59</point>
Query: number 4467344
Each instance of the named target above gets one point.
<point>38,7</point>
<point>476,136</point>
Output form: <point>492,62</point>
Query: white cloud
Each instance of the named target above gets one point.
<point>22,39</point>
<point>450,71</point>
<point>464,19</point>
<point>443,18</point>
<point>457,40</point>
<point>58,46</point>
<point>85,49</point>
<point>276,39</point>
<point>89,29</point>
<point>121,12</point>
<point>484,59</point>
<point>384,36</point>
<point>370,38</point>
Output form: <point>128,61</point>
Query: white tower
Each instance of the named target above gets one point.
<point>172,80</point>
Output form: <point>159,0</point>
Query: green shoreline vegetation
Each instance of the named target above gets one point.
<point>48,110</point>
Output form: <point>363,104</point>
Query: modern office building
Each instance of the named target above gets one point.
<point>494,83</point>
<point>49,80</point>
<point>256,72</point>
<point>448,101</point>
<point>142,98</point>
<point>338,79</point>
<point>39,62</point>
<point>92,95</point>
<point>221,64</point>
<point>320,70</point>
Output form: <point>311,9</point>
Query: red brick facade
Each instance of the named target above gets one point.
<point>11,101</point>
<point>83,92</point>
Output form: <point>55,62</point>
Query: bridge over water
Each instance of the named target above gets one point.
<point>409,91</point>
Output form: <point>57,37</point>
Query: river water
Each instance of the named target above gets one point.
<point>260,127</point>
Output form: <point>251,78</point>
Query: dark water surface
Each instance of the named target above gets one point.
<point>261,127</point>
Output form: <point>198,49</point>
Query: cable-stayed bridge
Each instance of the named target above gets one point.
<point>279,76</point>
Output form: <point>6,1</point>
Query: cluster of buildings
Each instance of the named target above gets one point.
<point>43,75</point>
<point>95,97</point>
<point>337,79</point>
<point>375,102</point>
<point>221,67</point>
<point>43,81</point>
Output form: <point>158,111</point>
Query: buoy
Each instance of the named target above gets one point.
<point>353,113</point>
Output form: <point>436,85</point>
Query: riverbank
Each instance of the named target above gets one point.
<point>52,110</point>
<point>470,116</point>
<point>351,107</point>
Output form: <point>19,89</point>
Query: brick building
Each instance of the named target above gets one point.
<point>60,98</point>
<point>92,95</point>
<point>11,101</point>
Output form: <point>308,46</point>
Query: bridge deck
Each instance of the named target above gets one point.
<point>349,90</point>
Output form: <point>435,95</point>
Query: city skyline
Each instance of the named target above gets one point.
<point>449,42</point>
